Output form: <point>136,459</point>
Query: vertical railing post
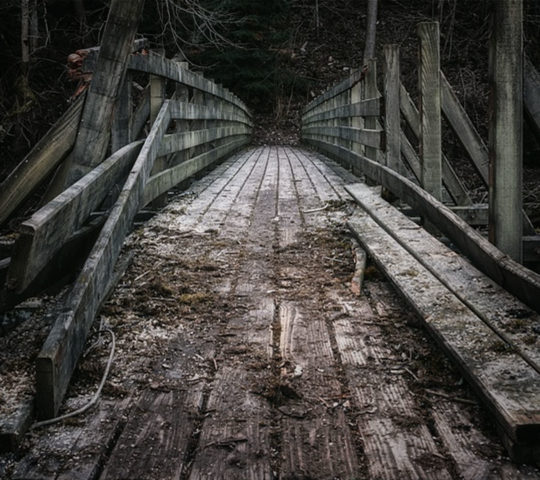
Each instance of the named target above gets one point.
<point>392,113</point>
<point>157,97</point>
<point>505,129</point>
<point>357,122</point>
<point>120,134</point>
<point>430,109</point>
<point>371,91</point>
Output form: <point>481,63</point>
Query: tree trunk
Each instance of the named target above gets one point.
<point>371,28</point>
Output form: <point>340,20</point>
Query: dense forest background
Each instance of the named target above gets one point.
<point>275,54</point>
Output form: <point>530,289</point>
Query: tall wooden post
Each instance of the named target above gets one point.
<point>95,127</point>
<point>391,112</point>
<point>371,91</point>
<point>505,129</point>
<point>430,109</point>
<point>357,122</point>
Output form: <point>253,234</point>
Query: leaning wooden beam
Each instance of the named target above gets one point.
<point>41,161</point>
<point>48,230</point>
<point>94,132</point>
<point>450,179</point>
<point>63,347</point>
<point>451,182</point>
<point>506,128</point>
<point>531,94</point>
<point>515,278</point>
<point>470,139</point>
<point>164,181</point>
<point>464,129</point>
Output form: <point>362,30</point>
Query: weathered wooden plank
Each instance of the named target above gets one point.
<point>319,445</point>
<point>158,65</point>
<point>397,442</point>
<point>370,107</point>
<point>430,109</point>
<point>42,159</point>
<point>61,351</point>
<point>48,230</point>
<point>392,121</point>
<point>508,386</point>
<point>165,421</point>
<point>75,452</point>
<point>167,179</point>
<point>175,142</point>
<point>502,312</point>
<point>180,110</point>
<point>531,94</point>
<point>518,280</point>
<point>371,91</point>
<point>506,128</point>
<point>94,131</point>
<point>372,138</point>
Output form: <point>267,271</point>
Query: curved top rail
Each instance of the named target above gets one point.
<point>355,77</point>
<point>164,67</point>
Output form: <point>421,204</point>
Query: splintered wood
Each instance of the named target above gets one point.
<point>243,354</point>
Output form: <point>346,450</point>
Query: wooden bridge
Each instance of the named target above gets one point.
<point>285,312</point>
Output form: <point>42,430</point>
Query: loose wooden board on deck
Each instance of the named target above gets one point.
<point>506,383</point>
<point>481,294</point>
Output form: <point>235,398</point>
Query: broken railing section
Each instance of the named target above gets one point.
<point>64,345</point>
<point>205,132</point>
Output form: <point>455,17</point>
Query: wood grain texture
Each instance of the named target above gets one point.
<point>505,382</point>
<point>392,121</point>
<point>430,108</point>
<point>506,129</point>
<point>165,420</point>
<point>506,315</point>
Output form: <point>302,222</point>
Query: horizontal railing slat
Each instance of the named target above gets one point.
<point>370,107</point>
<point>371,138</point>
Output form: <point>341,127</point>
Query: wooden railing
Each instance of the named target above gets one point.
<point>188,133</point>
<point>356,125</point>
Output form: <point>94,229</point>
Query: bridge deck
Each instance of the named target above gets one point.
<point>242,351</point>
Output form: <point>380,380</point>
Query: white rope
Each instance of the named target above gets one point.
<point>96,395</point>
<point>326,205</point>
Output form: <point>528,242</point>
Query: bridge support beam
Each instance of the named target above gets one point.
<point>505,130</point>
